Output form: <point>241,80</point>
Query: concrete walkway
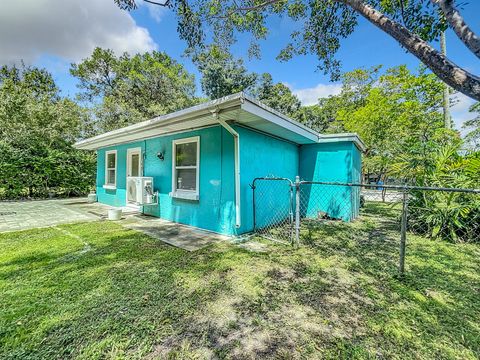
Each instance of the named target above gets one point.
<point>23,215</point>
<point>182,236</point>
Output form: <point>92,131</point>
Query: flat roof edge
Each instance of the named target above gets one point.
<point>158,121</point>
<point>352,137</point>
<point>223,103</point>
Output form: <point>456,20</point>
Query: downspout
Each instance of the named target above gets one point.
<point>236,142</point>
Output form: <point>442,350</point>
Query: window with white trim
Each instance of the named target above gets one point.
<point>111,168</point>
<point>186,163</point>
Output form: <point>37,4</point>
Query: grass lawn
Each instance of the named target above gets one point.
<point>98,290</point>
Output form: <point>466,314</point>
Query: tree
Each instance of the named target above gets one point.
<point>395,113</point>
<point>37,130</point>
<point>322,24</point>
<point>473,125</point>
<point>278,96</point>
<point>223,75</point>
<point>315,117</point>
<point>127,89</point>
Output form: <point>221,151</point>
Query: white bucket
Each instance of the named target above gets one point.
<point>114,214</point>
<point>91,198</point>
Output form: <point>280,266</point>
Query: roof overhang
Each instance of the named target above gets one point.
<point>349,137</point>
<point>238,108</point>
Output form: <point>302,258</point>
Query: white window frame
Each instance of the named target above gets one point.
<point>180,193</point>
<point>107,185</point>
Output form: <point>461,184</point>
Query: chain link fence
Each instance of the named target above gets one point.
<point>374,220</point>
<point>273,212</point>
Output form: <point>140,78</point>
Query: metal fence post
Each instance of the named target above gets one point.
<point>254,206</point>
<point>297,211</point>
<point>403,236</point>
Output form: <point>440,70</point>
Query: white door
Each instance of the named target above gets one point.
<point>134,162</point>
<point>134,167</point>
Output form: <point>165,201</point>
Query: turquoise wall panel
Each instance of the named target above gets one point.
<point>356,178</point>
<point>261,156</point>
<point>215,208</point>
<point>114,197</point>
<point>330,162</point>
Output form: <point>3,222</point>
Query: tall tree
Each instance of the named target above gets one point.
<point>37,130</point>
<point>472,138</point>
<point>397,114</point>
<point>278,96</point>
<point>321,24</point>
<point>319,117</point>
<point>126,89</point>
<point>222,74</point>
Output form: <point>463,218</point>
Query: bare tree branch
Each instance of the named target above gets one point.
<point>166,3</point>
<point>452,74</point>
<point>245,9</point>
<point>456,21</point>
<point>449,72</point>
<point>257,7</point>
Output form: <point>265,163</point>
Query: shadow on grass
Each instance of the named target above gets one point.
<point>132,297</point>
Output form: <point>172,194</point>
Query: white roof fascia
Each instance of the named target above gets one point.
<point>159,121</point>
<point>352,137</point>
<point>240,100</point>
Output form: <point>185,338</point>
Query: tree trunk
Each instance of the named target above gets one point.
<point>449,72</point>
<point>456,21</point>
<point>447,120</point>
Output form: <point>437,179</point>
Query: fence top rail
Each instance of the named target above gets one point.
<point>290,182</point>
<point>393,187</point>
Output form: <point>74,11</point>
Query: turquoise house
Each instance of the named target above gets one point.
<point>202,160</point>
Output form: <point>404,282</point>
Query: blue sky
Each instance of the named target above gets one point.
<point>53,38</point>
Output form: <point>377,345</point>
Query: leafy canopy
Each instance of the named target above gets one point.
<point>396,113</point>
<point>319,25</point>
<point>126,89</point>
<point>37,130</point>
<point>223,75</point>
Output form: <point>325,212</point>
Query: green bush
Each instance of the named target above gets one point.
<point>454,216</point>
<point>37,131</point>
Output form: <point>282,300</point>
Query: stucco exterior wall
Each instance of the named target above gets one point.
<point>330,162</point>
<point>215,209</point>
<point>260,155</point>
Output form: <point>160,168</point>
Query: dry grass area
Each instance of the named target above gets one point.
<point>97,290</point>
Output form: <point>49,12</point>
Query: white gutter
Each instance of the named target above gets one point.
<point>236,142</point>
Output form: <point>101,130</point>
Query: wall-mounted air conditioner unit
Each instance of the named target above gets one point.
<point>140,190</point>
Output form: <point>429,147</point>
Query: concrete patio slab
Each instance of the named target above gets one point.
<point>178,235</point>
<point>23,215</point>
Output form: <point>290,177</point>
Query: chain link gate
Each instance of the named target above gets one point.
<point>273,208</point>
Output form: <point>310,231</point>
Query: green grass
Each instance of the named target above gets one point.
<point>98,290</point>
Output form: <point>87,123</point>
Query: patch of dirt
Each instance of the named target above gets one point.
<point>254,246</point>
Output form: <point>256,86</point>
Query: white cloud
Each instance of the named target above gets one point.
<point>459,111</point>
<point>69,29</point>
<point>310,96</point>
<point>156,12</point>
